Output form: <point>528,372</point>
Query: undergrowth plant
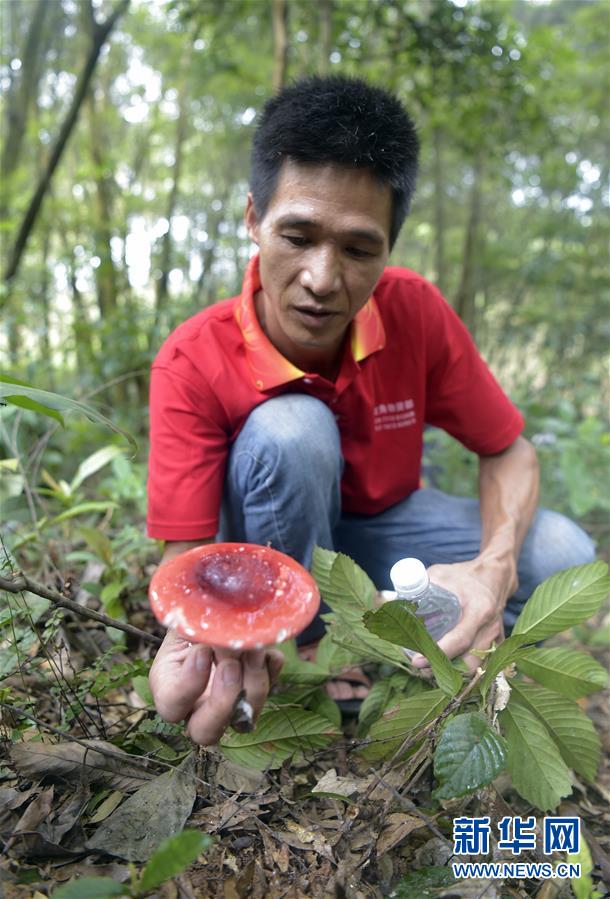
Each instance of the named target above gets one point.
<point>169,859</point>
<point>518,713</point>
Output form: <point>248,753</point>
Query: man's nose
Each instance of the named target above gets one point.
<point>321,274</point>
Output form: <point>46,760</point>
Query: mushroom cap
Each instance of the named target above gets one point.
<point>234,595</point>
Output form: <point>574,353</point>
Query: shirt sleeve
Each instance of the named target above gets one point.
<point>462,395</point>
<point>188,453</point>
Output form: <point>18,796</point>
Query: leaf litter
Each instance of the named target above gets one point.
<point>324,825</point>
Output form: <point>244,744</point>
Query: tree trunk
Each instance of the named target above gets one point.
<point>105,274</point>
<point>280,43</point>
<point>465,297</point>
<point>45,337</point>
<point>83,346</point>
<point>326,9</point>
<point>101,33</point>
<point>23,91</point>
<point>172,201</point>
<point>439,211</point>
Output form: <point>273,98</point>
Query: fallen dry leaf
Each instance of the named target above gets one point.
<point>37,811</point>
<point>106,808</point>
<point>398,826</point>
<point>332,783</point>
<point>156,811</point>
<point>238,778</point>
<point>227,814</point>
<point>77,761</point>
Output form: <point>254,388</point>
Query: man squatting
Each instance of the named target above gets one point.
<point>293,414</point>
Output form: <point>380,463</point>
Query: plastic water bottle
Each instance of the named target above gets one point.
<point>439,609</point>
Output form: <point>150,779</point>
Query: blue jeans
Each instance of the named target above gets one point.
<point>283,487</point>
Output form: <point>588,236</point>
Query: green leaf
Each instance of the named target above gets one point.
<point>601,637</point>
<point>331,657</point>
<point>25,403</point>
<point>98,542</point>
<point>424,883</point>
<point>582,886</point>
<point>347,630</point>
<point>11,389</point>
<point>382,694</point>
<point>82,509</point>
<point>397,623</point>
<point>321,703</point>
<point>279,734</point>
<point>566,671</point>
<point>299,672</point>
<point>570,728</point>
<point>93,463</point>
<point>537,770</point>
<point>172,857</point>
<point>141,685</point>
<point>110,592</point>
<point>372,708</point>
<point>406,717</point>
<point>350,585</point>
<point>469,754</point>
<point>563,600</point>
<point>341,581</point>
<point>90,888</point>
<point>321,567</point>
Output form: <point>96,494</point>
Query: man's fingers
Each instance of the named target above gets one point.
<point>472,662</point>
<point>275,663</point>
<point>256,679</point>
<point>177,684</point>
<point>459,640</point>
<point>213,713</point>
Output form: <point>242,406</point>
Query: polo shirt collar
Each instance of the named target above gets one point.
<point>268,367</point>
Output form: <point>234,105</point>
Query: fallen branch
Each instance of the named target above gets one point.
<point>20,582</point>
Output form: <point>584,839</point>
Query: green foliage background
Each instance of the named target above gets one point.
<point>141,225</point>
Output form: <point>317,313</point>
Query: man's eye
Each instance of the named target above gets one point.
<point>297,240</point>
<point>357,253</point>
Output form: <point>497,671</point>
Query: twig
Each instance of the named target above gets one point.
<point>416,737</point>
<point>21,582</point>
<point>454,704</point>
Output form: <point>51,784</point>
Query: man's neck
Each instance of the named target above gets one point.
<point>326,363</point>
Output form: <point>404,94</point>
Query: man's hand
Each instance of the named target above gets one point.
<point>482,595</point>
<point>201,684</point>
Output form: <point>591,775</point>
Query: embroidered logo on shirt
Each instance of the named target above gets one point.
<point>389,416</point>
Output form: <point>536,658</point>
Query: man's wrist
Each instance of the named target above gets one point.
<point>499,572</point>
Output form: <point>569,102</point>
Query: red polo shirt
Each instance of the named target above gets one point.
<point>409,361</point>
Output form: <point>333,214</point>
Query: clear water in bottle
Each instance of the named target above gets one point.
<point>439,609</point>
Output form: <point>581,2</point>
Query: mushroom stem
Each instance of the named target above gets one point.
<point>242,719</point>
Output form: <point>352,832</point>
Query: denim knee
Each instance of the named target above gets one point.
<point>553,543</point>
<point>298,430</point>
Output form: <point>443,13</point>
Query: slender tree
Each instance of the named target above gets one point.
<point>101,31</point>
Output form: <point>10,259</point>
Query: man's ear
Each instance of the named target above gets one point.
<point>251,219</point>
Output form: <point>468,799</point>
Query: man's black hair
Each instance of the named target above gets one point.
<point>340,120</point>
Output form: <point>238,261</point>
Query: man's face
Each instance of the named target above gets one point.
<point>324,242</point>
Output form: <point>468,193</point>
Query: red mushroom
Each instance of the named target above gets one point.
<point>234,595</point>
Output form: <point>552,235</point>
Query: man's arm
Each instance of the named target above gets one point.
<point>202,684</point>
<point>508,494</point>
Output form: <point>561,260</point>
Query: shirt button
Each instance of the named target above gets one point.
<point>307,381</point>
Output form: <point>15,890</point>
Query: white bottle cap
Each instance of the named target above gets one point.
<point>409,577</point>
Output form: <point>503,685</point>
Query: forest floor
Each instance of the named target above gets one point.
<point>273,836</point>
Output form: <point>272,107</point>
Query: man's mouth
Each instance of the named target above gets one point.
<point>314,314</point>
